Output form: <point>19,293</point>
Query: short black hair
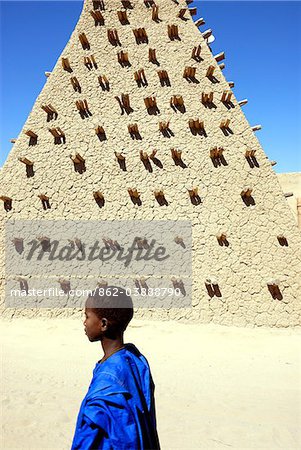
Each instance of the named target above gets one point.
<point>112,303</point>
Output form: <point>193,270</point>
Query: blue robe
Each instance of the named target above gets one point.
<point>118,412</point>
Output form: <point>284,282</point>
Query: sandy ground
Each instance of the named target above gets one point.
<point>216,387</point>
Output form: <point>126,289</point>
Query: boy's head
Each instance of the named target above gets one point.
<point>108,312</point>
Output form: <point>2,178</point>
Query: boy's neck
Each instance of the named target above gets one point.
<point>110,346</point>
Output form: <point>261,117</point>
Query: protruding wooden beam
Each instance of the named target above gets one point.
<point>47,74</point>
<point>210,71</point>
<point>140,35</point>
<point>123,58</point>
<point>75,84</point>
<point>196,52</point>
<point>200,22</point>
<point>219,57</point>
<point>222,66</point>
<point>152,55</point>
<point>113,37</point>
<point>140,77</point>
<point>13,140</point>
<point>193,11</point>
<point>7,202</point>
<point>206,34</point>
<point>25,161</point>
<point>256,127</point>
<point>231,84</point>
<point>66,64</point>
<point>84,41</point>
<point>243,102</point>
<point>173,32</point>
<point>123,17</point>
<point>98,17</point>
<point>155,13</point>
<point>288,194</point>
<point>273,163</point>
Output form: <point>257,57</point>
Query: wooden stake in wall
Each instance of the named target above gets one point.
<point>7,203</point>
<point>58,134</point>
<point>75,84</point>
<point>84,41</point>
<point>33,137</point>
<point>28,165</point>
<point>50,111</point>
<point>98,17</point>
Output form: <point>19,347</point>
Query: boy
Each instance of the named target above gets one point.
<point>118,411</point>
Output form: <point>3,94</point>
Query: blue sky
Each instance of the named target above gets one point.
<point>261,41</point>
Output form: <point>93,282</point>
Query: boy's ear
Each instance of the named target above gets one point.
<point>104,323</point>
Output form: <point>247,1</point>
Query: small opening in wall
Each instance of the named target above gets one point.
<point>282,240</point>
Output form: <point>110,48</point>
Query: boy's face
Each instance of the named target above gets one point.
<point>94,326</point>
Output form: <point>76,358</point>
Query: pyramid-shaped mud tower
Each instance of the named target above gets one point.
<point>137,122</point>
